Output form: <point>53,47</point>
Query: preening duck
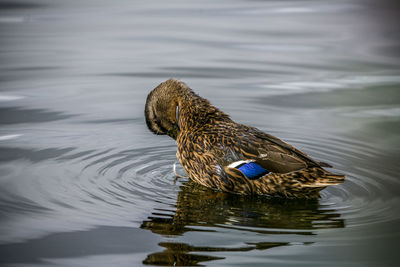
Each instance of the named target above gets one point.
<point>219,153</point>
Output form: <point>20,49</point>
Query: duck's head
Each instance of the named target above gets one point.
<point>162,107</point>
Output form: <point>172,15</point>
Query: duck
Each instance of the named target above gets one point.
<point>219,153</point>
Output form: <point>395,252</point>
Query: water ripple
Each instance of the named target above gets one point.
<point>130,181</point>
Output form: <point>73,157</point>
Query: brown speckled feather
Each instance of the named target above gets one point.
<point>209,142</point>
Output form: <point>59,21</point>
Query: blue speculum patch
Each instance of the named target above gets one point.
<point>252,170</point>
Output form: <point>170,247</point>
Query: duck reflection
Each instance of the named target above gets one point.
<point>200,206</point>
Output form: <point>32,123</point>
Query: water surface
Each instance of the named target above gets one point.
<point>84,183</point>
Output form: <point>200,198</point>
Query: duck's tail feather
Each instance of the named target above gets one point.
<point>317,177</point>
<point>324,164</point>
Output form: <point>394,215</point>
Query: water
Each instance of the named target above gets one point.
<point>84,183</point>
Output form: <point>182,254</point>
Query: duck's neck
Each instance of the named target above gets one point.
<point>196,112</point>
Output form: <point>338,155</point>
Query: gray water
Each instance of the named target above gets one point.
<point>84,183</point>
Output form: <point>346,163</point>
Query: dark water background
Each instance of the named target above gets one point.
<point>84,183</point>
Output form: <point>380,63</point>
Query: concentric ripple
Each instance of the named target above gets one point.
<point>138,187</point>
<point>132,175</point>
<point>116,188</point>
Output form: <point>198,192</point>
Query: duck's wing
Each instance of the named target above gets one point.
<point>256,153</point>
<point>288,148</point>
